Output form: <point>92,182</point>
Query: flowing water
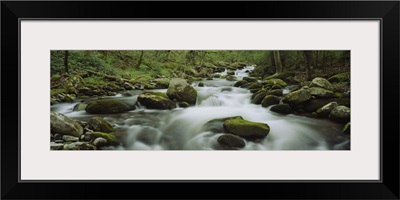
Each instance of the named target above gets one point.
<point>181,128</point>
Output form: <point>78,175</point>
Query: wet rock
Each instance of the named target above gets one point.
<point>258,98</point>
<point>100,142</point>
<point>320,92</point>
<point>250,79</point>
<point>340,114</point>
<point>246,129</point>
<point>111,139</point>
<point>275,81</point>
<point>276,92</point>
<point>255,86</point>
<point>69,138</point>
<point>62,124</point>
<point>69,98</point>
<point>101,125</point>
<point>80,107</point>
<point>338,78</point>
<point>231,141</point>
<point>282,109</point>
<point>297,97</point>
<point>216,125</point>
<point>88,136</point>
<point>183,104</point>
<point>322,83</point>
<point>325,110</point>
<point>56,146</point>
<point>161,83</point>
<point>79,146</point>
<point>239,83</point>
<point>231,78</point>
<point>180,90</point>
<point>230,73</point>
<point>156,100</point>
<point>108,106</point>
<point>201,84</point>
<point>269,100</point>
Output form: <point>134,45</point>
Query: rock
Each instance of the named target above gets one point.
<point>80,107</point>
<point>56,146</point>
<point>340,114</point>
<point>69,138</point>
<point>183,104</point>
<point>100,142</point>
<point>346,129</point>
<point>276,87</point>
<point>250,79</point>
<point>320,92</point>
<point>255,86</point>
<point>108,106</point>
<point>281,75</point>
<point>258,98</point>
<point>275,81</point>
<point>201,84</point>
<point>231,141</point>
<point>338,78</point>
<point>180,90</point>
<point>111,139</point>
<point>230,73</point>
<point>217,75</point>
<point>231,78</point>
<point>314,104</point>
<point>326,109</point>
<point>246,129</point>
<point>126,94</point>
<point>58,136</point>
<point>101,125</point>
<point>69,98</point>
<point>79,146</point>
<point>59,141</point>
<point>227,89</point>
<point>88,136</point>
<point>128,86</point>
<point>291,80</point>
<point>156,100</point>
<point>269,100</point>
<point>161,83</point>
<point>297,97</point>
<point>62,124</point>
<point>321,82</point>
<point>282,108</point>
<point>276,92</point>
<point>216,125</point>
<point>53,101</point>
<point>239,83</point>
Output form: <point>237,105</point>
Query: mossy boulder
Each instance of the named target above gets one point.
<point>338,78</point>
<point>246,129</point>
<point>201,84</point>
<point>325,110</point>
<point>217,76</point>
<point>230,73</point>
<point>100,142</point>
<point>314,104</point>
<point>276,92</point>
<point>281,75</point>
<point>346,129</point>
<point>255,86</point>
<point>320,92</point>
<point>156,100</point>
<point>183,104</point>
<point>297,97</point>
<point>340,114</point>
<point>64,125</point>
<point>79,146</point>
<point>231,78</point>
<point>111,139</point>
<point>240,83</point>
<point>269,100</point>
<point>180,90</point>
<point>101,125</point>
<point>232,141</point>
<point>250,79</point>
<point>258,98</point>
<point>216,125</point>
<point>69,98</point>
<point>282,109</point>
<point>161,83</point>
<point>108,106</point>
<point>275,81</point>
<point>80,107</point>
<point>322,83</point>
<point>56,146</point>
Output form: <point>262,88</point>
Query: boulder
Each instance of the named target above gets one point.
<point>108,106</point>
<point>111,139</point>
<point>230,73</point>
<point>282,109</point>
<point>180,90</point>
<point>314,104</point>
<point>338,78</point>
<point>80,107</point>
<point>183,104</point>
<point>297,97</point>
<point>275,81</point>
<point>250,79</point>
<point>326,109</point>
<point>276,92</point>
<point>340,114</point>
<point>101,125</point>
<point>56,146</point>
<point>156,100</point>
<point>246,129</point>
<point>269,100</point>
<point>321,82</point>
<point>231,78</point>
<point>216,125</point>
<point>258,98</point>
<point>69,138</point>
<point>255,86</point>
<point>79,146</point>
<point>320,92</point>
<point>100,142</point>
<point>240,83</point>
<point>62,124</point>
<point>201,84</point>
<point>231,141</point>
<point>161,83</point>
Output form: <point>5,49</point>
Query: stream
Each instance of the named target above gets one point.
<point>181,128</point>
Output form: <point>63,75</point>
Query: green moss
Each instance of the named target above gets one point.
<point>246,129</point>
<point>269,100</point>
<point>55,92</point>
<point>338,78</point>
<point>107,106</point>
<point>346,128</point>
<point>109,137</point>
<point>99,124</point>
<point>275,81</point>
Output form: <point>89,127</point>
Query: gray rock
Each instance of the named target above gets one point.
<point>321,82</point>
<point>340,114</point>
<point>62,124</point>
<point>180,90</point>
<point>99,124</point>
<point>325,110</point>
<point>79,146</point>
<point>231,141</point>
<point>69,138</point>
<point>100,142</point>
<point>56,146</point>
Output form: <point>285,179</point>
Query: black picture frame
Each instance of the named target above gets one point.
<point>386,11</point>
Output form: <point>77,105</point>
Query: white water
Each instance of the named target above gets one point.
<point>146,129</point>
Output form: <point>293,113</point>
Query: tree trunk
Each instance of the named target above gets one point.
<point>308,58</point>
<point>66,53</point>
<point>140,60</point>
<point>278,63</point>
<point>272,57</point>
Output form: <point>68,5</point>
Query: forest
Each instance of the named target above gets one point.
<point>200,100</point>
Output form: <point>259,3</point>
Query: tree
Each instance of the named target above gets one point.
<point>308,59</point>
<point>66,68</point>
<point>278,62</point>
<point>140,59</point>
